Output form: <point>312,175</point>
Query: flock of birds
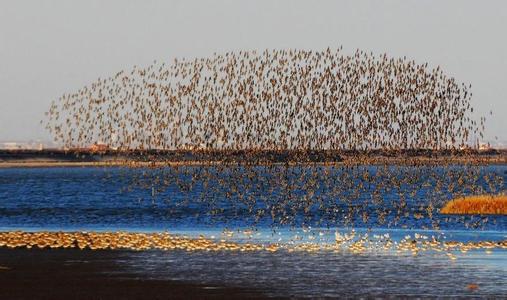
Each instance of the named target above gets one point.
<point>165,241</point>
<point>286,100</point>
<point>314,195</point>
<point>276,99</point>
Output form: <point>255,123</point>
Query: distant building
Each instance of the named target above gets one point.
<point>99,147</point>
<point>11,146</point>
<point>465,147</point>
<point>484,147</point>
<point>30,145</point>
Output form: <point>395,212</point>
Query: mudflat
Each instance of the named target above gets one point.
<point>87,274</point>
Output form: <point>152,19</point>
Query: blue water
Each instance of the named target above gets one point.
<point>276,205</point>
<point>92,198</point>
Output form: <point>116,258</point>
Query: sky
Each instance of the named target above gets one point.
<point>48,48</point>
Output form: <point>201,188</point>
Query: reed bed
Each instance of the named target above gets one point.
<point>479,204</point>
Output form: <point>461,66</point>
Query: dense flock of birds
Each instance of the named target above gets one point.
<point>281,99</point>
<point>286,100</point>
<point>356,243</point>
<point>314,195</point>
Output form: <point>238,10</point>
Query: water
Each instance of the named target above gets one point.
<point>331,274</point>
<point>96,199</point>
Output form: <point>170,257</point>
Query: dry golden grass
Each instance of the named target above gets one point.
<point>481,204</point>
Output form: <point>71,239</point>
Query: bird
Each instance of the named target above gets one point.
<point>252,120</point>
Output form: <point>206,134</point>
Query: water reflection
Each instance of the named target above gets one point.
<point>331,274</point>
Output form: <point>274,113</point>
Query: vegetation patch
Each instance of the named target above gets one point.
<point>480,205</point>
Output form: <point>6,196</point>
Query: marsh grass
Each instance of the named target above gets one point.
<point>480,204</point>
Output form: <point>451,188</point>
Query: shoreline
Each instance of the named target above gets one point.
<point>108,240</point>
<point>162,158</point>
<point>347,161</point>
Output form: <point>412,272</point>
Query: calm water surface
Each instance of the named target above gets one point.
<point>95,199</point>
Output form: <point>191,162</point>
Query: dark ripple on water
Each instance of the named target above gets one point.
<point>330,274</point>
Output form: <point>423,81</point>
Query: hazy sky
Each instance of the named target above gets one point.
<point>48,48</point>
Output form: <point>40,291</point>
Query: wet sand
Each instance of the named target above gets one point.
<point>87,274</point>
